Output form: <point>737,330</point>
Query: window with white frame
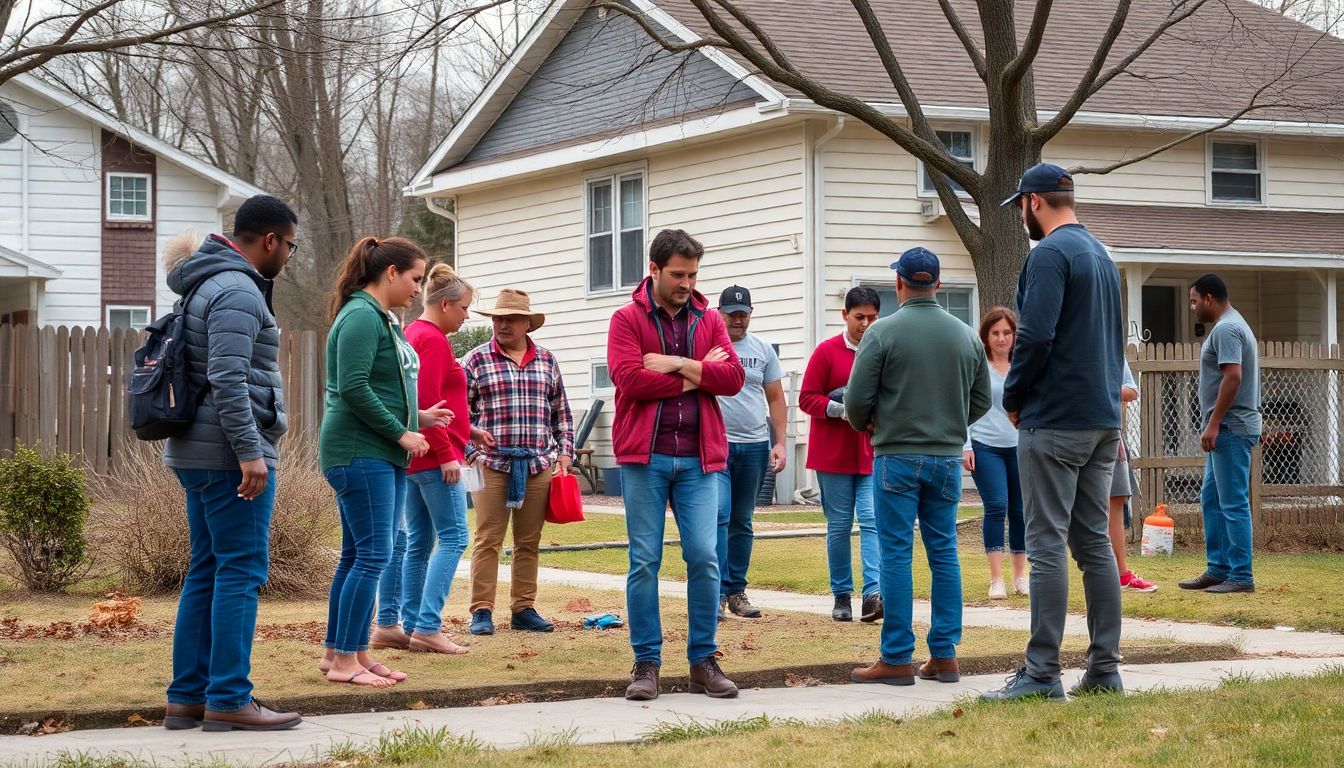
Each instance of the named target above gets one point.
<point>129,318</point>
<point>600,377</point>
<point>955,299</point>
<point>614,210</point>
<point>128,196</point>
<point>960,143</point>
<point>1236,172</point>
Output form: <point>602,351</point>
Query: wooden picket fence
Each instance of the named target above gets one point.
<point>65,389</point>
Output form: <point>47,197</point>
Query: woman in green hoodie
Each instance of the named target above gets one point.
<point>368,438</point>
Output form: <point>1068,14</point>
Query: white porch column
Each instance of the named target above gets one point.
<point>1135,275</point>
<point>1330,334</point>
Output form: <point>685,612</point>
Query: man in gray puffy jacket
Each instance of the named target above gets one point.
<point>226,463</point>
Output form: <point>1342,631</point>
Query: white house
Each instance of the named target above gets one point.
<point>86,202</point>
<point>590,139</point>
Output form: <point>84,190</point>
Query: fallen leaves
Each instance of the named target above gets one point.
<point>793,680</point>
<point>418,705</point>
<point>749,643</point>
<point>117,611</point>
<point>501,699</point>
<point>526,652</point>
<point>138,721</point>
<point>45,728</point>
<point>579,605</point>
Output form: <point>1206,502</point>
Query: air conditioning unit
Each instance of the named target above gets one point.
<point>932,210</point>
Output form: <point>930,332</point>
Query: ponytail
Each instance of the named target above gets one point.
<point>442,282</point>
<point>369,258</point>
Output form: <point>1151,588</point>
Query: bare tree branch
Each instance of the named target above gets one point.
<point>1017,68</point>
<point>972,50</point>
<point>756,30</point>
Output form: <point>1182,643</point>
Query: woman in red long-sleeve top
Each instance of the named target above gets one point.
<point>843,459</point>
<point>436,499</point>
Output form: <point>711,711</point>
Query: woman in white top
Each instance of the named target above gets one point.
<point>991,458</point>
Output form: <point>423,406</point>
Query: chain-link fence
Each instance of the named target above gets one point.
<point>1297,475</point>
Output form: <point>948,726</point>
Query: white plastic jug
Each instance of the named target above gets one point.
<point>1159,533</point>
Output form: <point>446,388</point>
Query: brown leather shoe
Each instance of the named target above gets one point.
<point>252,717</point>
<point>181,717</point>
<point>942,670</point>
<point>643,682</point>
<point>887,674</point>
<point>390,637</point>
<point>707,678</point>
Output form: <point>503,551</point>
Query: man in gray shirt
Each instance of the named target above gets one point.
<point>1229,402</point>
<point>750,417</point>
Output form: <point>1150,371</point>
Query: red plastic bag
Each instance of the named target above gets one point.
<point>566,504</point>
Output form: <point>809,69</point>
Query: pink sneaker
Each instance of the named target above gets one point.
<point>1131,582</point>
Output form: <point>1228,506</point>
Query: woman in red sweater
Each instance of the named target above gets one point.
<point>843,459</point>
<point>436,499</point>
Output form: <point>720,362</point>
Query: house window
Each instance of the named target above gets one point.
<point>129,318</point>
<point>1236,172</point>
<point>961,145</point>
<point>601,377</point>
<point>614,209</point>
<point>956,300</point>
<point>128,196</point>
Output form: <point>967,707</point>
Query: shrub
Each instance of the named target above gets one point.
<point>140,525</point>
<point>42,512</point>
<point>468,339</point>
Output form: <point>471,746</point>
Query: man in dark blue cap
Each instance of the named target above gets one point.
<point>919,380</point>
<point>1063,392</point>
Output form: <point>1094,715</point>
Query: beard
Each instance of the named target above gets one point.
<point>1034,229</point>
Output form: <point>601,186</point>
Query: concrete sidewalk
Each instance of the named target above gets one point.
<point>590,721</point>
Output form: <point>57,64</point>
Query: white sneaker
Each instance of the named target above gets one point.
<point>996,590</point>
<point>1022,586</point>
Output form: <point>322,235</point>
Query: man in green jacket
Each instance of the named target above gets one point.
<point>920,379</point>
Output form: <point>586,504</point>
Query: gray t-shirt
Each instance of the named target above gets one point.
<point>1231,342</point>
<point>745,414</point>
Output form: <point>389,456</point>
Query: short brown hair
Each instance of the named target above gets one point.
<point>992,319</point>
<point>674,242</point>
<point>1057,199</point>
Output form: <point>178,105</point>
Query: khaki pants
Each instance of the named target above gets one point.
<point>492,520</point>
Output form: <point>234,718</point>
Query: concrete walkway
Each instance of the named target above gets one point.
<point>590,721</point>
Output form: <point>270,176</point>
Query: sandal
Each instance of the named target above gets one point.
<point>453,649</point>
<point>383,671</point>
<point>378,680</point>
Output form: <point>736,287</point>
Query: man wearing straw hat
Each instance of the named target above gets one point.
<point>517,398</point>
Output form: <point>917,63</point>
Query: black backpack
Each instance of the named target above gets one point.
<point>162,401</point>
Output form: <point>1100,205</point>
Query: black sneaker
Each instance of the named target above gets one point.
<point>841,611</point>
<point>741,606</point>
<point>872,608</point>
<point>482,623</point>
<point>1228,587</point>
<point>1091,683</point>
<point>528,620</point>
<point>1202,581</point>
<point>1020,685</point>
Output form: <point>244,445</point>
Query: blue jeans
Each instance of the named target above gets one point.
<point>842,498</point>
<point>368,492</point>
<point>927,488</point>
<point>738,487</point>
<point>390,603</point>
<point>435,510</point>
<point>1000,489</point>
<point>217,615</point>
<point>647,489</point>
<point>1226,502</point>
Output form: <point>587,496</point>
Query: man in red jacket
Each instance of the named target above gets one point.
<point>670,358</point>
<point>843,459</point>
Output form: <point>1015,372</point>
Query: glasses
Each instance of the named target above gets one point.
<point>293,246</point>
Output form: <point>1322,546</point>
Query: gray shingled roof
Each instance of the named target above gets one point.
<point>1215,229</point>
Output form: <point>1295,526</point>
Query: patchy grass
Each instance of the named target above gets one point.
<point>132,669</point>
<point>670,733</point>
<point>1301,591</point>
<point>1285,722</point>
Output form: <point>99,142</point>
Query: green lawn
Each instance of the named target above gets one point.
<point>1297,590</point>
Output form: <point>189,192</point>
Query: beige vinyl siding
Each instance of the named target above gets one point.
<point>741,197</point>
<point>1306,174</point>
<point>1174,177</point>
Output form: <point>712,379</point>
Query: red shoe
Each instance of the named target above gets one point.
<point>1131,582</point>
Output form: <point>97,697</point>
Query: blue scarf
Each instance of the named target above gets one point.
<point>518,474</point>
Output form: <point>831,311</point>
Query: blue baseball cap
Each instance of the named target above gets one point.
<point>1039,178</point>
<point>917,266</point>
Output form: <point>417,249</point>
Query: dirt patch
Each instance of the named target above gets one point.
<point>395,700</point>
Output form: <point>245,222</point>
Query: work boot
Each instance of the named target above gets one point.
<point>1091,683</point>
<point>942,670</point>
<point>528,620</point>
<point>1202,581</point>
<point>181,717</point>
<point>872,608</point>
<point>1020,685</point>
<point>253,717</point>
<point>887,674</point>
<point>741,606</point>
<point>841,611</point>
<point>390,637</point>
<point>643,682</point>
<point>707,678</point>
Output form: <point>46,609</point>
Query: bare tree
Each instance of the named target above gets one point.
<point>1002,58</point>
<point>1322,14</point>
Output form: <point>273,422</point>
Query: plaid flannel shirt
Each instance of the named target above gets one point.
<point>522,405</point>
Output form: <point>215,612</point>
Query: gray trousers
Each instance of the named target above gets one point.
<point>1066,481</point>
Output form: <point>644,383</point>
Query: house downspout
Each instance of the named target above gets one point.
<point>435,207</point>
<point>814,286</point>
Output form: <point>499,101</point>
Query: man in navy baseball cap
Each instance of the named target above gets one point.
<point>1041,178</point>
<point>918,267</point>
